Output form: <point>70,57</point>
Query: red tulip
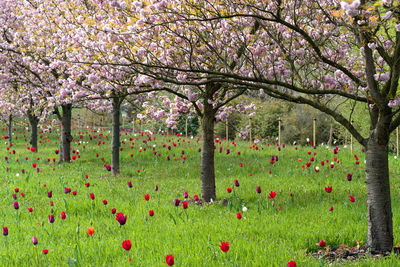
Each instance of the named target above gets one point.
<point>45,251</point>
<point>92,196</point>
<point>224,246</point>
<point>113,211</point>
<point>30,209</point>
<point>126,244</point>
<point>321,243</point>
<point>291,264</point>
<point>87,184</point>
<point>239,215</point>
<point>272,195</point>
<point>229,190</point>
<point>105,202</point>
<point>331,208</point>
<point>151,213</point>
<point>184,204</point>
<point>169,259</point>
<point>351,198</point>
<point>147,197</point>
<point>328,189</point>
<point>63,215</point>
<point>196,198</point>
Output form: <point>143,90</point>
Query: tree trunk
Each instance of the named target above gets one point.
<point>380,225</point>
<point>66,137</point>
<point>10,128</point>
<point>115,144</point>
<point>33,120</point>
<point>207,154</point>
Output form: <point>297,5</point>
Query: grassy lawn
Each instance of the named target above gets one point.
<point>271,232</point>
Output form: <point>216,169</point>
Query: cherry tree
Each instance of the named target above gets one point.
<point>309,52</point>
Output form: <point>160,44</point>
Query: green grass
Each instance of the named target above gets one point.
<point>265,236</point>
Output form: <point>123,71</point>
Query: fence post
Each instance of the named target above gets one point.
<point>314,132</point>
<point>397,141</point>
<point>226,129</point>
<point>251,136</point>
<point>186,127</point>
<point>279,130</point>
<point>351,141</point>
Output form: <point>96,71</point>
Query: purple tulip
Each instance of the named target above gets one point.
<point>130,184</point>
<point>258,190</point>
<point>34,240</point>
<point>5,230</point>
<point>49,194</point>
<point>51,218</point>
<point>185,195</point>
<point>349,177</point>
<point>16,205</point>
<point>156,188</point>
<point>236,182</point>
<point>177,202</point>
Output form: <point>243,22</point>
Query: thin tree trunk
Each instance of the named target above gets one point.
<point>207,155</point>
<point>33,120</point>
<point>380,225</point>
<point>66,137</point>
<point>10,129</point>
<point>115,144</point>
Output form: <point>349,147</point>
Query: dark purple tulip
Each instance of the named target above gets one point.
<point>283,145</point>
<point>66,191</point>
<point>168,158</point>
<point>276,158</point>
<point>16,205</point>
<point>199,150</point>
<point>177,202</point>
<point>108,167</point>
<point>14,196</point>
<point>236,182</point>
<point>51,218</point>
<point>169,147</point>
<point>23,171</point>
<point>34,240</point>
<point>6,158</point>
<point>315,147</point>
<point>349,177</point>
<point>185,195</point>
<point>49,194</point>
<point>156,188</point>
<point>272,157</point>
<point>228,151</point>
<point>130,184</point>
<point>5,230</point>
<point>258,189</point>
<point>279,148</point>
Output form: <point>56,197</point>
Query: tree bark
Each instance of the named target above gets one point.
<point>207,170</point>
<point>33,120</point>
<point>10,128</point>
<point>115,144</point>
<point>66,137</point>
<point>380,225</point>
